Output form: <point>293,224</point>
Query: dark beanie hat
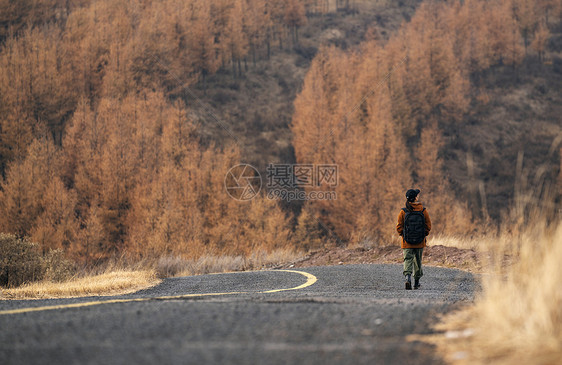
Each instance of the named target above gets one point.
<point>411,194</point>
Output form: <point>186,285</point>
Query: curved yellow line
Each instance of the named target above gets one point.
<point>310,279</point>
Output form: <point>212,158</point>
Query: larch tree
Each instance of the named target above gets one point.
<point>452,214</point>
<point>470,40</point>
<point>401,90</point>
<point>276,9</point>
<point>23,193</point>
<point>90,238</point>
<point>56,226</point>
<point>201,40</point>
<point>294,17</point>
<point>548,8</point>
<point>504,36</point>
<point>237,41</point>
<point>527,18</point>
<point>540,39</point>
<point>309,234</point>
<point>315,120</point>
<point>35,83</point>
<point>257,21</point>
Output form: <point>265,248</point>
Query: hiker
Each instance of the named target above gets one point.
<point>413,225</point>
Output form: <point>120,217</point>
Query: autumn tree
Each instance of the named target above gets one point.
<point>17,15</point>
<point>383,132</point>
<point>201,40</point>
<point>57,225</point>
<point>294,17</point>
<point>107,153</point>
<point>527,18</point>
<point>185,210</point>
<point>36,88</point>
<point>16,133</point>
<point>542,34</point>
<point>100,156</point>
<point>257,21</point>
<point>470,41</point>
<point>334,123</point>
<point>309,233</point>
<point>453,214</point>
<point>548,8</point>
<point>276,9</point>
<point>35,202</point>
<point>236,38</point>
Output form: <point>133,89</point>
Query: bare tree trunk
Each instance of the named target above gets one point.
<point>204,74</point>
<point>268,49</point>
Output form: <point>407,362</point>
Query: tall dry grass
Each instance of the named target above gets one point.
<point>462,242</point>
<point>517,317</point>
<point>168,266</point>
<point>121,276</point>
<point>113,282</point>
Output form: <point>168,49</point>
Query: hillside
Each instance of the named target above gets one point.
<point>513,111</point>
<point>258,105</point>
<point>119,120</point>
<point>520,118</point>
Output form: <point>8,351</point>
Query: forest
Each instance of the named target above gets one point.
<point>102,156</point>
<point>411,94</point>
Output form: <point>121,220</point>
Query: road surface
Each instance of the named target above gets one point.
<point>353,314</point>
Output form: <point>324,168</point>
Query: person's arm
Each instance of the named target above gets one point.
<point>400,223</point>
<point>427,222</point>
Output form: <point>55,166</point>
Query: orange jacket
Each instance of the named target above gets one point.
<point>400,225</point>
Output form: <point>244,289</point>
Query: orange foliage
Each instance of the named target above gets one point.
<point>539,41</point>
<point>136,182</point>
<point>108,48</point>
<point>97,158</point>
<point>376,113</point>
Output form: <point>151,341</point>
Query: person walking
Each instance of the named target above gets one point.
<point>413,225</point>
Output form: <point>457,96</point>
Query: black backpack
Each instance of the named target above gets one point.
<point>414,226</point>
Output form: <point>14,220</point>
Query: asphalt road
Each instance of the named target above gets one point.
<point>354,314</point>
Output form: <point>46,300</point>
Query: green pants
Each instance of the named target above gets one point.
<point>413,262</point>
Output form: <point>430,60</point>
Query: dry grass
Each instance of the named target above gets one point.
<point>264,260</point>
<point>110,283</point>
<point>518,316</point>
<point>176,266</point>
<point>116,280</point>
<point>463,242</point>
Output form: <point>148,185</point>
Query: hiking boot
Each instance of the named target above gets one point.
<point>408,284</point>
<point>417,283</point>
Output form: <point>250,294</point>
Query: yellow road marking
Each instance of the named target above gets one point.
<point>310,280</point>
